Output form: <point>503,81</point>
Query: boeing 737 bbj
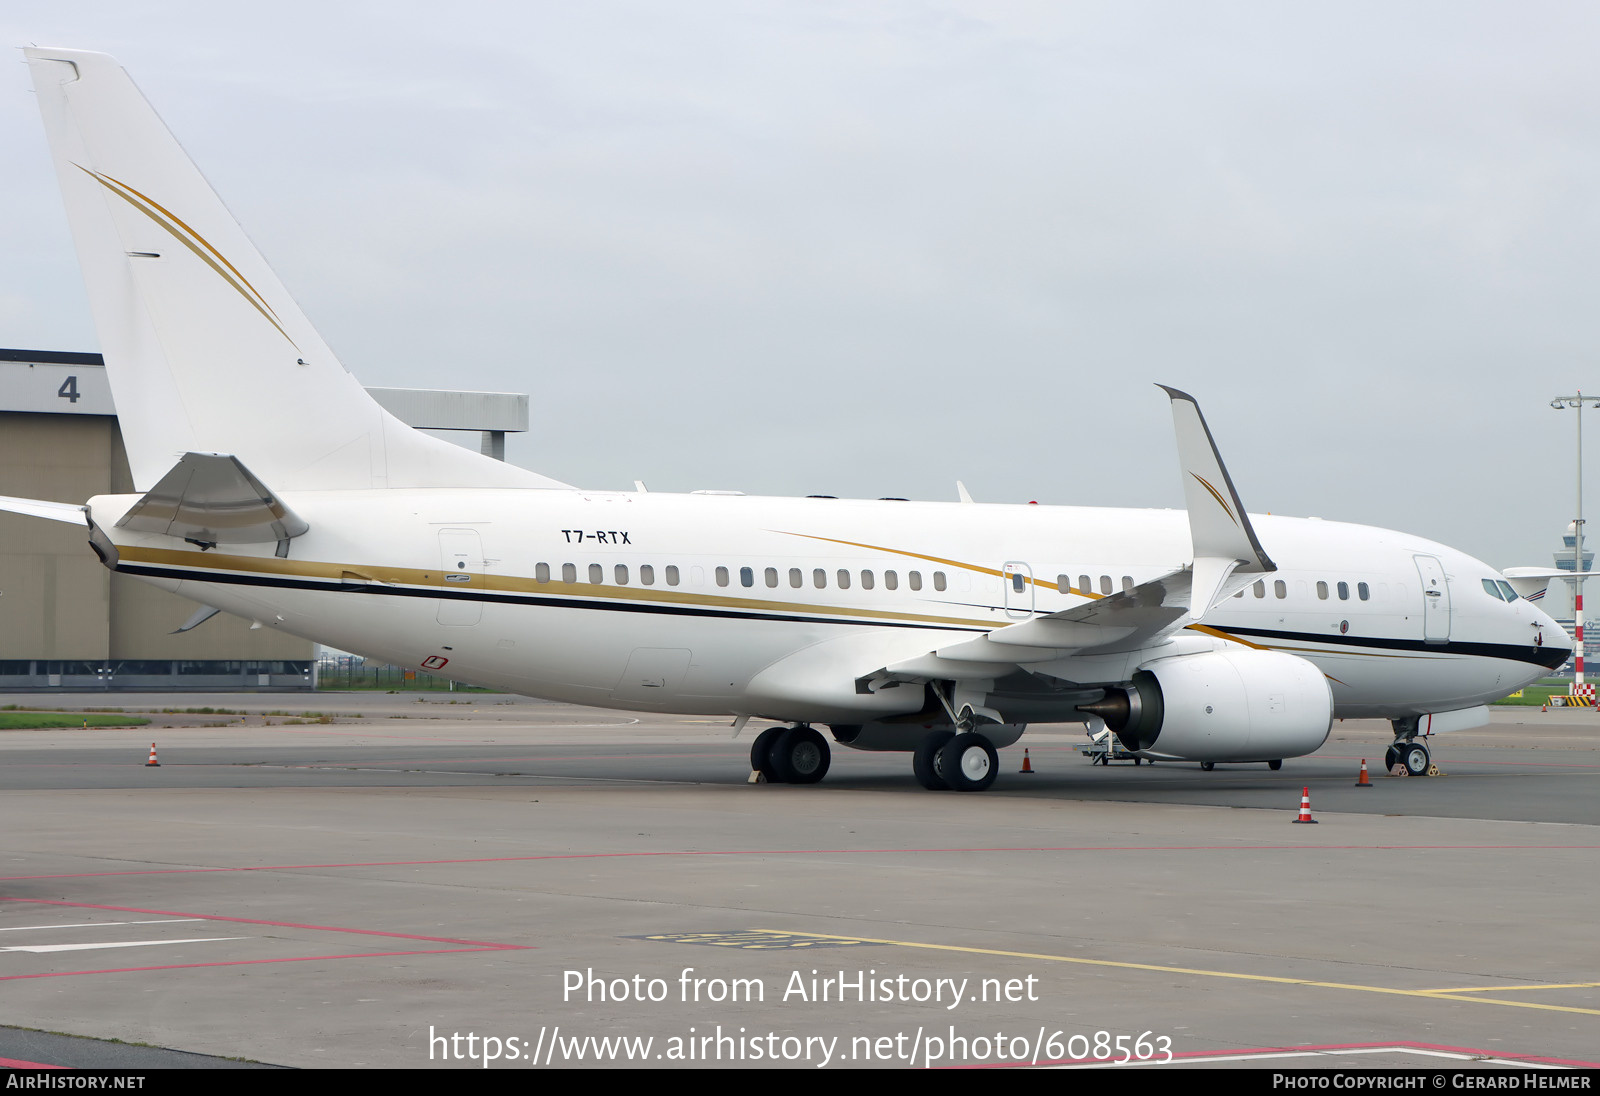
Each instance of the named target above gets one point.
<point>272,487</point>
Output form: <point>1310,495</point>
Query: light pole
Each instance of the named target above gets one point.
<point>1561,403</point>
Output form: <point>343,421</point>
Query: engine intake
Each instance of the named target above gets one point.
<point>1230,705</point>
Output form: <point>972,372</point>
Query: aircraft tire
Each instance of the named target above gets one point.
<point>1275,765</point>
<point>761,753</point>
<point>1416,760</point>
<point>1207,766</point>
<point>968,762</point>
<point>1391,758</point>
<point>925,760</point>
<point>800,756</point>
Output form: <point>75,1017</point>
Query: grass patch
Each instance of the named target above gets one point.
<point>14,720</point>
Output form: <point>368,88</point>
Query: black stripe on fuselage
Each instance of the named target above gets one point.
<point>1548,657</point>
<point>277,582</point>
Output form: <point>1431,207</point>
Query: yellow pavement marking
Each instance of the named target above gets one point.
<point>1431,994</point>
<point>1502,989</point>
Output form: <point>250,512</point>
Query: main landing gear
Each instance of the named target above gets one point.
<point>790,755</point>
<point>1407,750</point>
<point>963,760</point>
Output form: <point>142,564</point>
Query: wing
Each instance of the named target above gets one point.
<point>1227,557</point>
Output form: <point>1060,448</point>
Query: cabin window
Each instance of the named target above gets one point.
<point>844,579</point>
<point>672,574</point>
<point>1105,585</point>
<point>1280,589</point>
<point>1322,590</point>
<point>866,580</point>
<point>1362,592</point>
<point>1260,588</point>
<point>797,578</point>
<point>1064,583</point>
<point>938,581</point>
<point>1127,583</point>
<point>1509,590</point>
<point>914,579</point>
<point>597,573</point>
<point>1494,591</point>
<point>569,572</point>
<point>1085,585</point>
<point>747,577</point>
<point>1239,594</point>
<point>541,572</point>
<point>647,574</point>
<point>621,572</point>
<point>1344,591</point>
<point>771,575</point>
<point>819,579</point>
<point>1018,583</point>
<point>722,576</point>
<point>891,581</point>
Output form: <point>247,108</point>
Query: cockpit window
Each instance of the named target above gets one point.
<point>1509,590</point>
<point>1494,590</point>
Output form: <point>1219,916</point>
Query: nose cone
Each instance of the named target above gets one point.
<point>1553,645</point>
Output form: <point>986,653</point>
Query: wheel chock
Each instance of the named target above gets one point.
<point>1398,770</point>
<point>757,777</point>
<point>1434,770</point>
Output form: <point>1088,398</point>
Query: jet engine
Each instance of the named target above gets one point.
<point>1229,705</point>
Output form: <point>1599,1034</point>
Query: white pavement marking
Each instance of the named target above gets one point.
<point>1263,1055</point>
<point>99,924</point>
<point>41,948</point>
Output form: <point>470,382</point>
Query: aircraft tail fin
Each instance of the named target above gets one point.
<point>205,350</point>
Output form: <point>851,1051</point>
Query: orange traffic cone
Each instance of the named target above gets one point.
<point>1305,807</point>
<point>1027,765</point>
<point>152,760</point>
<point>1363,782</point>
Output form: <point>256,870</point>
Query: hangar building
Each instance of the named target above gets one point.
<point>65,621</point>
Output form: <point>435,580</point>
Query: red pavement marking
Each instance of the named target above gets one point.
<point>18,1063</point>
<point>790,852</point>
<point>1247,1053</point>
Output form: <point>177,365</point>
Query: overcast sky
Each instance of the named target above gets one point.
<point>869,248</point>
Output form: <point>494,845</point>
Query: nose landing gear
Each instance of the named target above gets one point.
<point>1407,749</point>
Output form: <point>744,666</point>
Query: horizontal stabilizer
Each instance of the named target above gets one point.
<point>1531,582</point>
<point>55,511</point>
<point>211,498</point>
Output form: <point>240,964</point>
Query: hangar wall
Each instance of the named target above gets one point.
<point>67,623</point>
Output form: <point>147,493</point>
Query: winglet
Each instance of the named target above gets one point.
<point>1224,542</point>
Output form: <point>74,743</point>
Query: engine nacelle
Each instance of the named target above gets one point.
<point>1229,705</point>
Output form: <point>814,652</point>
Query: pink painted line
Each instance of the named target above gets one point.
<point>1263,1052</point>
<point>1474,1052</point>
<point>473,944</point>
<point>781,852</point>
<point>18,1063</point>
<point>250,962</point>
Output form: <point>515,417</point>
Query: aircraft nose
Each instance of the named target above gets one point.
<point>1552,635</point>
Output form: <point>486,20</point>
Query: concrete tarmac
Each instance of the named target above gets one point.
<point>427,883</point>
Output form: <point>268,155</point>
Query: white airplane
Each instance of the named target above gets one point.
<point>273,488</point>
